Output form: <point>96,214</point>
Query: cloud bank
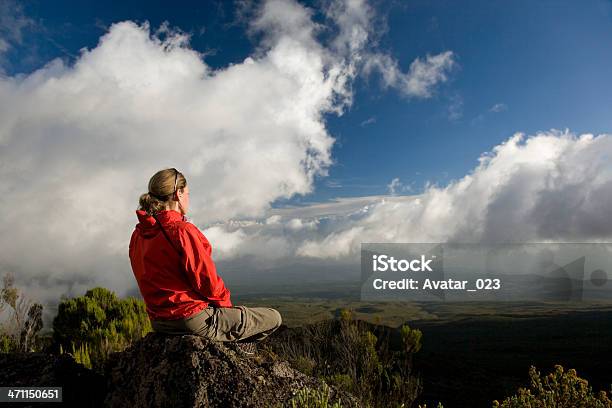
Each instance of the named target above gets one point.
<point>552,186</point>
<point>79,142</point>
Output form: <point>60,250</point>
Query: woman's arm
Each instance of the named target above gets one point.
<point>201,270</point>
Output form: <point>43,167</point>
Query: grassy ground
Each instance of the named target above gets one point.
<point>297,311</point>
<point>300,311</point>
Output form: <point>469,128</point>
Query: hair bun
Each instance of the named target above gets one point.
<point>156,196</point>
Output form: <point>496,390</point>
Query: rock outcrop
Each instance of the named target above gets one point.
<point>167,371</point>
<point>191,371</point>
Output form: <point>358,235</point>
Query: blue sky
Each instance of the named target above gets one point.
<point>544,64</point>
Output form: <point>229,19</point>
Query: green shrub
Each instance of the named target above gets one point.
<point>314,398</point>
<point>97,324</point>
<point>7,343</point>
<point>411,339</point>
<point>557,389</point>
<point>349,355</point>
<point>81,355</point>
<point>304,364</point>
<point>341,381</point>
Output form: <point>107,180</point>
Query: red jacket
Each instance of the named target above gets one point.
<point>174,286</point>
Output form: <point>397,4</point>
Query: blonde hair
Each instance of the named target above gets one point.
<point>161,190</point>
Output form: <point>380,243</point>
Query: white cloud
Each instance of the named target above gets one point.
<point>4,46</point>
<point>13,24</point>
<point>354,21</point>
<point>79,142</point>
<point>357,31</point>
<point>455,107</point>
<point>225,242</point>
<point>396,186</point>
<point>422,76</point>
<point>13,21</point>
<point>498,107</point>
<point>333,184</point>
<point>553,186</point>
<point>393,186</point>
<point>368,121</point>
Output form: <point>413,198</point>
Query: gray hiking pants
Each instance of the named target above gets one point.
<point>238,323</point>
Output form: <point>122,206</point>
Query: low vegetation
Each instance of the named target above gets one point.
<point>558,389</point>
<point>314,398</point>
<point>92,326</point>
<point>19,331</point>
<point>348,354</point>
<point>353,355</point>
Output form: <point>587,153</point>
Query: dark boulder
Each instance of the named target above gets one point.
<point>191,371</point>
<point>166,371</point>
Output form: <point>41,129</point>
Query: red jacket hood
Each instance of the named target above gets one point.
<point>174,284</point>
<point>147,225</point>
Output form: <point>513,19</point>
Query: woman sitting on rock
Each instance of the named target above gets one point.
<point>171,260</point>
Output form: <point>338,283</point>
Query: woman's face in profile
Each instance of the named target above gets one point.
<point>184,200</point>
